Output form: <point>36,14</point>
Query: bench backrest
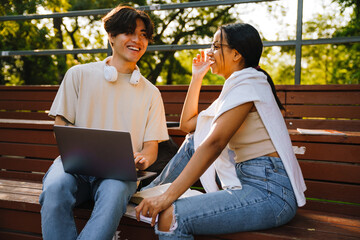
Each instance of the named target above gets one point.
<point>306,106</point>
<point>330,164</point>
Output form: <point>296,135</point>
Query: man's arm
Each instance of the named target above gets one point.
<point>60,120</point>
<point>147,156</point>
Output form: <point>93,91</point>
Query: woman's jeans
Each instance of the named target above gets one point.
<point>266,199</point>
<point>63,191</point>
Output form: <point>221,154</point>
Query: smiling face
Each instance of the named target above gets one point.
<point>223,59</point>
<point>130,47</point>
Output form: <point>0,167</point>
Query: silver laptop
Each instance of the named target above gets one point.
<point>98,152</point>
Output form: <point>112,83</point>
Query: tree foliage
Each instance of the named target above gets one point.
<point>321,63</point>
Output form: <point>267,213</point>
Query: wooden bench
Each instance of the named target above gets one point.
<point>330,164</point>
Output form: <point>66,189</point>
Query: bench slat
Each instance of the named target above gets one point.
<point>25,105</point>
<point>323,98</point>
<point>343,112</point>
<point>334,208</point>
<point>27,136</point>
<point>20,221</point>
<point>326,171</point>
<point>25,115</point>
<point>25,164</point>
<point>29,150</point>
<point>28,95</point>
<point>18,236</point>
<point>19,191</point>
<point>341,125</point>
<point>335,191</point>
<point>329,152</point>
<point>24,176</point>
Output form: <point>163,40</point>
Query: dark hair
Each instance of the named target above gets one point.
<point>245,39</point>
<point>122,19</point>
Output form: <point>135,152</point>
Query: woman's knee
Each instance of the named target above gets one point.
<point>166,219</point>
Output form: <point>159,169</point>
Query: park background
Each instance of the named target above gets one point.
<point>275,20</point>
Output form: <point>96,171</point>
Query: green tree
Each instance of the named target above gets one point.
<point>347,66</point>
<point>25,35</point>
<point>181,26</point>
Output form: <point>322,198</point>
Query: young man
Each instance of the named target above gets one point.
<point>110,94</point>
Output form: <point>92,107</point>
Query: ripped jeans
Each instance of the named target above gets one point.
<point>266,199</point>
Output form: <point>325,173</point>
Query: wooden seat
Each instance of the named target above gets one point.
<point>330,164</point>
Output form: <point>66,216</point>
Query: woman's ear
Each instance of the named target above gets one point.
<point>236,56</point>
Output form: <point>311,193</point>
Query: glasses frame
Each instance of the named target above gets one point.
<point>214,47</point>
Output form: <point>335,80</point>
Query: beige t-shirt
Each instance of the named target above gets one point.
<point>86,99</point>
<point>251,140</point>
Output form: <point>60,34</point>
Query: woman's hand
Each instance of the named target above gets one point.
<point>151,207</point>
<point>200,65</point>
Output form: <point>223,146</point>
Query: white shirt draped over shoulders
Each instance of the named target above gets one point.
<point>248,85</point>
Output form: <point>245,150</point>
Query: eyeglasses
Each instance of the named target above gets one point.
<point>217,46</point>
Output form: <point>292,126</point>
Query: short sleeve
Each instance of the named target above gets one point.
<point>65,101</point>
<point>156,129</point>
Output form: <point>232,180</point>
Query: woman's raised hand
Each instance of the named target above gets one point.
<point>200,65</point>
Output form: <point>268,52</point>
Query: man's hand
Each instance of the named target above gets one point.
<point>141,162</point>
<point>147,156</point>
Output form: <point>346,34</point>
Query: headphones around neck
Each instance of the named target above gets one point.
<point>111,74</point>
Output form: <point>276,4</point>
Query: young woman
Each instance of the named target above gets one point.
<point>241,140</point>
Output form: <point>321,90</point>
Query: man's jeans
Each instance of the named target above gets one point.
<point>266,199</point>
<point>63,191</point>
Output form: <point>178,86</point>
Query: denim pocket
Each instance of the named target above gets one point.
<point>251,170</point>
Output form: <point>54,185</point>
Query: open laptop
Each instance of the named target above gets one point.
<point>98,152</point>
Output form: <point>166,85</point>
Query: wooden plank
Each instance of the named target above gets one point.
<point>335,172</point>
<point>23,176</point>
<point>25,105</point>
<point>325,98</point>
<point>19,236</point>
<point>28,95</point>
<point>26,124</point>
<point>29,88</point>
<point>333,191</point>
<point>348,153</point>
<point>24,184</point>
<point>330,87</point>
<point>20,221</point>
<point>176,108</point>
<point>25,115</point>
<point>19,191</point>
<point>330,207</point>
<point>341,125</point>
<point>349,138</point>
<point>29,150</point>
<point>27,136</point>
<point>25,164</point>
<point>343,112</point>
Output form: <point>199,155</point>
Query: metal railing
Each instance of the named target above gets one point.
<point>298,42</point>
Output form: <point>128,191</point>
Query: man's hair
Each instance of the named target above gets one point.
<point>122,19</point>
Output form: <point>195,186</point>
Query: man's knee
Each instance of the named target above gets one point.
<point>166,218</point>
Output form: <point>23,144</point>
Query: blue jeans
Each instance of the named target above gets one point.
<point>266,199</point>
<point>63,191</point>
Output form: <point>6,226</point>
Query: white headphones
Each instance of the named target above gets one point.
<point>111,74</point>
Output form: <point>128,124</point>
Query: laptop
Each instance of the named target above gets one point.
<point>98,152</point>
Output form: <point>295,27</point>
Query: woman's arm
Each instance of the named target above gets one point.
<point>190,109</point>
<point>220,134</point>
